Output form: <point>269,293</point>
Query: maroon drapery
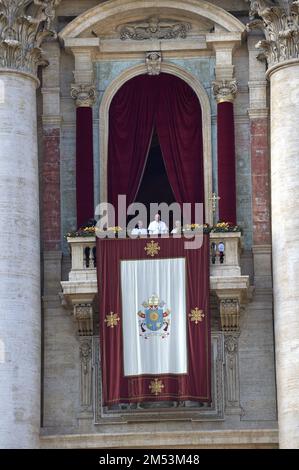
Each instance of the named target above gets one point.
<point>226,162</point>
<point>179,128</point>
<point>131,119</point>
<point>84,166</point>
<point>169,104</point>
<point>196,385</point>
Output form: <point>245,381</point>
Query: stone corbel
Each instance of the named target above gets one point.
<point>83,314</point>
<point>230,315</point>
<point>84,95</point>
<point>153,61</point>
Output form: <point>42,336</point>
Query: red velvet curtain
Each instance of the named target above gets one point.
<point>179,127</point>
<point>226,162</point>
<point>118,388</point>
<point>131,122</point>
<point>167,102</point>
<point>84,166</point>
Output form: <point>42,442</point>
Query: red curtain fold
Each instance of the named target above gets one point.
<point>179,128</point>
<point>226,163</point>
<point>131,122</point>
<point>196,385</point>
<point>84,166</point>
<point>167,102</point>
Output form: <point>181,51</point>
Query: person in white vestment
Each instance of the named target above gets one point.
<point>157,226</point>
<point>139,230</point>
<point>177,228</point>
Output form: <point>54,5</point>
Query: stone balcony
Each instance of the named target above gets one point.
<point>82,284</point>
<point>226,281</point>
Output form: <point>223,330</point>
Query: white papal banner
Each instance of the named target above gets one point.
<point>154,316</point>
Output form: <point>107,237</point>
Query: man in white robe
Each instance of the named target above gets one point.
<point>139,230</point>
<point>177,228</point>
<point>157,227</point>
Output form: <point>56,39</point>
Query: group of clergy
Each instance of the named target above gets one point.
<point>156,227</point>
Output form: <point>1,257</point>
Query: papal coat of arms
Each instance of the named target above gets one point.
<point>155,319</point>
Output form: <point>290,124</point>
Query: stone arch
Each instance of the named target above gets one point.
<point>201,93</point>
<point>111,8</point>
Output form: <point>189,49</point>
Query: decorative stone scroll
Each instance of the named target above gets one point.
<point>153,62</point>
<point>154,28</point>
<point>225,90</point>
<point>281,27</point>
<point>84,95</point>
<point>21,35</point>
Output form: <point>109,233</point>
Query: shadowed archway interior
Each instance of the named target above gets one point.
<point>154,186</point>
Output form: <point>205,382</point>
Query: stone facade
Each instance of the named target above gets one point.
<point>87,61</point>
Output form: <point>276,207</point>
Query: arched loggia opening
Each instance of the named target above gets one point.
<point>167,107</point>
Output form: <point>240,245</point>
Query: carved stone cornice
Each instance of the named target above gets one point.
<point>230,315</point>
<point>153,62</point>
<point>21,35</point>
<point>225,90</point>
<point>281,27</point>
<point>83,314</point>
<point>84,95</point>
<point>154,28</point>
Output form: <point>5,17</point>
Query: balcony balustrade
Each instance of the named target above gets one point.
<point>226,281</point>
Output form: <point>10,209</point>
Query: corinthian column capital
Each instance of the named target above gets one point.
<point>21,35</point>
<point>281,27</point>
<point>225,90</point>
<point>84,95</point>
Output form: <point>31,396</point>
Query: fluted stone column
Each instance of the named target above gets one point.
<point>20,54</point>
<point>280,48</point>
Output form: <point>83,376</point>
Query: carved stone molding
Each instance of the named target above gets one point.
<point>231,343</point>
<point>232,385</point>
<point>186,412</point>
<point>281,27</point>
<point>21,35</point>
<point>153,62</point>
<point>84,95</point>
<point>86,374</point>
<point>230,314</point>
<point>85,355</point>
<point>154,28</point>
<point>83,314</point>
<point>225,90</point>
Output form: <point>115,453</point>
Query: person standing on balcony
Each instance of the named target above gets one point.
<point>139,230</point>
<point>157,226</point>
